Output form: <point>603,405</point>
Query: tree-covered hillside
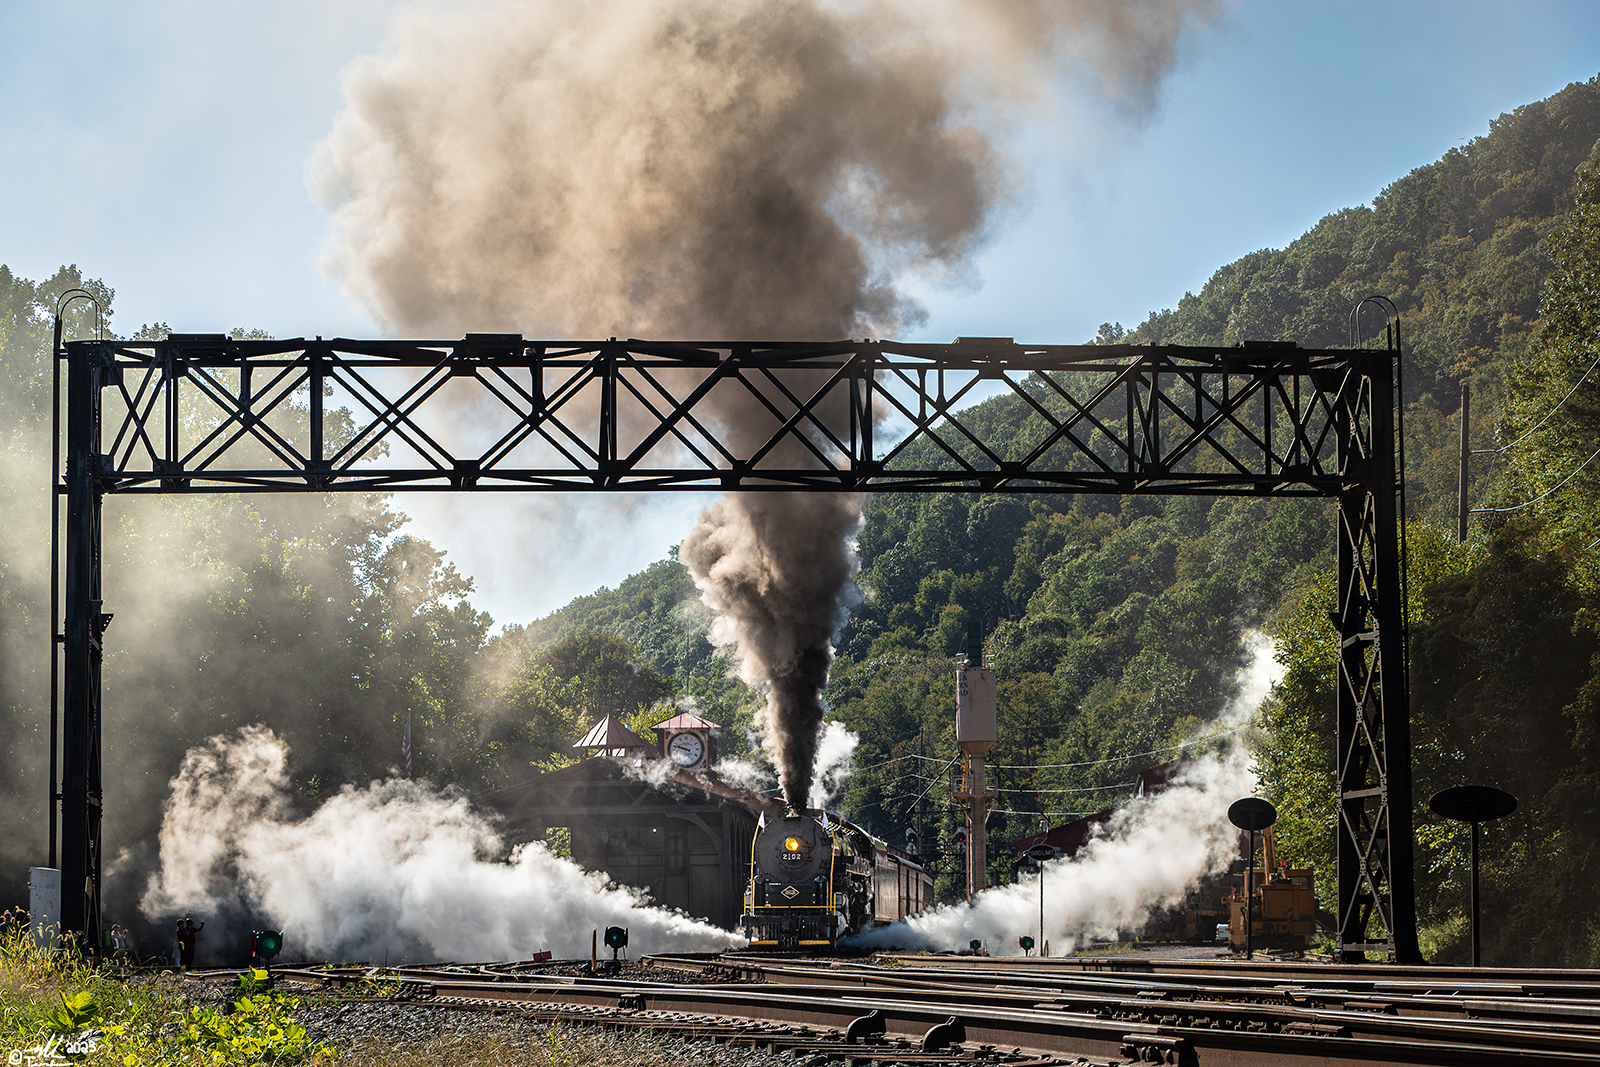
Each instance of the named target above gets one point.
<point>1462,248</point>
<point>1117,626</point>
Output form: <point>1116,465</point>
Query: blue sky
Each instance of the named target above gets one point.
<point>162,145</point>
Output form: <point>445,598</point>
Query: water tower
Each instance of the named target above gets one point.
<point>976,734</point>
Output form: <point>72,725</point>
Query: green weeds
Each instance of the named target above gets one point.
<point>56,1006</point>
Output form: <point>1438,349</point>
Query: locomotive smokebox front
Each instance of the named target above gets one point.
<point>793,849</point>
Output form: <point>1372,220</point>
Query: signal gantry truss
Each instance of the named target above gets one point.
<point>500,413</point>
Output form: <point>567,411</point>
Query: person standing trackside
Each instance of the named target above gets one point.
<point>188,933</point>
<point>121,942</point>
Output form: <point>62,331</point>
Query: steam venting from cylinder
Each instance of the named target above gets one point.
<point>708,169</point>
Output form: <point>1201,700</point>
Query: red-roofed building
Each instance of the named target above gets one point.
<point>1069,837</point>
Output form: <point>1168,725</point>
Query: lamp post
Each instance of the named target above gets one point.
<point>1043,826</point>
<point>1038,856</point>
<point>1473,804</point>
<point>1251,814</point>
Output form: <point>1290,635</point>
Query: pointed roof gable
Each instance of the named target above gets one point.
<point>610,734</point>
<point>557,789</point>
<point>687,720</point>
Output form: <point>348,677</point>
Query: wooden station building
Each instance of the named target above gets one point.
<point>648,815</point>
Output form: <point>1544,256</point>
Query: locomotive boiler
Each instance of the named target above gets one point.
<point>816,879</point>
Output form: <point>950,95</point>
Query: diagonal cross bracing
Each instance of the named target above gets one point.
<point>657,415</point>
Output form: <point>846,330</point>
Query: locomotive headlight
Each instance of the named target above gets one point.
<point>792,844</point>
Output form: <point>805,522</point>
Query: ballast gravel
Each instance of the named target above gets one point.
<point>413,1032</point>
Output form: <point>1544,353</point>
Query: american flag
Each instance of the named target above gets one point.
<point>405,744</point>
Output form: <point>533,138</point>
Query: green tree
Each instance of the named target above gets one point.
<point>610,675</point>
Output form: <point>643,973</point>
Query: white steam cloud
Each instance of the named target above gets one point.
<point>1151,854</point>
<point>392,871</point>
<point>836,761</point>
<point>697,168</point>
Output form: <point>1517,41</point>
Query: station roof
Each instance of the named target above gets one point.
<point>611,735</point>
<point>573,788</point>
<point>687,720</point>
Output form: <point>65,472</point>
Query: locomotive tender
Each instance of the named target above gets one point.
<point>815,880</point>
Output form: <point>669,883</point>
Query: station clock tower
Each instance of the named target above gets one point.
<point>688,741</point>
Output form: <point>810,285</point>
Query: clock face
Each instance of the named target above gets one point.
<point>686,749</point>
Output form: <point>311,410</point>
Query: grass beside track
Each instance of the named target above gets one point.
<point>56,1006</point>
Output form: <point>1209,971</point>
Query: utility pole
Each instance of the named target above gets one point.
<point>1466,455</point>
<point>976,734</point>
<point>921,763</point>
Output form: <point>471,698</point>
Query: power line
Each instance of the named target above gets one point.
<point>1005,789</point>
<point>1541,422</point>
<point>1119,759</point>
<point>1541,496</point>
<point>1068,815</point>
<point>884,803</point>
<point>1056,766</point>
<point>1088,789</point>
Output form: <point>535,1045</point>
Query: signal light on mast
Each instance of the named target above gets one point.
<point>266,943</point>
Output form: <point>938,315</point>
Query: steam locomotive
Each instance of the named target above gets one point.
<point>816,879</point>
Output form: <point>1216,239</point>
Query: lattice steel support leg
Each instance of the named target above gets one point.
<point>1372,715</point>
<point>81,791</point>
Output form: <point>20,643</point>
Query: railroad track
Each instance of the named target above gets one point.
<point>1098,1010</point>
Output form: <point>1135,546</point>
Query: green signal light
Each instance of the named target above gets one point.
<point>268,943</point>
<point>616,937</point>
<point>1025,941</point>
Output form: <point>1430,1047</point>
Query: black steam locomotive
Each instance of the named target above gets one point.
<point>816,879</point>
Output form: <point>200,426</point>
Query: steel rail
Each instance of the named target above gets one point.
<point>1304,1037</point>
<point>1167,997</point>
<point>1371,978</point>
<point>729,1030</point>
<point>1325,988</point>
<point>1242,1032</point>
<point>1131,963</point>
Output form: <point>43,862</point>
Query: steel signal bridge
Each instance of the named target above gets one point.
<point>501,413</point>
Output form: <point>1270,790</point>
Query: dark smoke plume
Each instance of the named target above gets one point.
<point>775,568</point>
<point>708,169</point>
